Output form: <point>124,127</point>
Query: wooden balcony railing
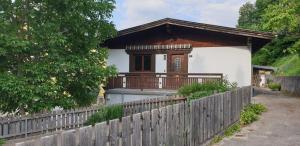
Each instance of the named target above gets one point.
<point>160,80</point>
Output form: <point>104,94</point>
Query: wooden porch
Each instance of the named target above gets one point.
<point>160,80</point>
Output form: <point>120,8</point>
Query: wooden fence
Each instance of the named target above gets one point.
<point>23,126</point>
<point>290,84</point>
<point>182,124</point>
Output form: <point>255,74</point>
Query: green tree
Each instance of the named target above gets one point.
<point>247,19</point>
<point>282,17</point>
<point>50,53</point>
<point>251,14</point>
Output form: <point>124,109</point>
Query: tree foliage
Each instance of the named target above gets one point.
<point>50,53</point>
<point>247,19</point>
<point>283,17</point>
<point>279,16</point>
<point>278,48</point>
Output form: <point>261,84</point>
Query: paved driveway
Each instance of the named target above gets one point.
<point>279,126</point>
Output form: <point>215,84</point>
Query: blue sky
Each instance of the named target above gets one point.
<point>129,13</point>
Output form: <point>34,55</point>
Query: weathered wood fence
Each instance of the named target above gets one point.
<point>290,84</point>
<point>23,126</point>
<point>182,124</point>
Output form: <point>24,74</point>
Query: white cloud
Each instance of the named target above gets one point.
<point>136,12</point>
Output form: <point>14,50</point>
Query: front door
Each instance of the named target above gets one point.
<point>177,64</point>
<point>177,69</point>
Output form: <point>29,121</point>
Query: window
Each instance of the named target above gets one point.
<point>147,63</point>
<point>142,62</point>
<point>138,63</point>
<point>177,64</point>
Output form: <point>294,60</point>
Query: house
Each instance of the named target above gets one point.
<point>169,53</point>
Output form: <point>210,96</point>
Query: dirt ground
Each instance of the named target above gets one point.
<point>279,126</point>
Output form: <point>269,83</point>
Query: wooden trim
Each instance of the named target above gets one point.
<point>142,80</point>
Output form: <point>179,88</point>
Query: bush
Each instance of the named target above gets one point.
<point>198,90</point>
<point>257,108</point>
<point>250,113</point>
<point>105,114</point>
<point>199,94</point>
<point>274,86</point>
<point>248,117</point>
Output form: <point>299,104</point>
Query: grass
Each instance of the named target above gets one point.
<point>228,132</point>
<point>288,65</point>
<point>232,129</point>
<point>2,142</point>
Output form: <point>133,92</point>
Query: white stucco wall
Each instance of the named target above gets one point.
<point>160,63</point>
<point>233,62</point>
<point>119,58</point>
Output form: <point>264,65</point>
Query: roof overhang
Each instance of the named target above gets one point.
<point>266,68</point>
<point>195,25</point>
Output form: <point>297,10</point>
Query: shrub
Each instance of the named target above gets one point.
<point>105,114</point>
<point>198,90</point>
<point>257,108</point>
<point>199,94</point>
<point>250,113</point>
<point>274,86</point>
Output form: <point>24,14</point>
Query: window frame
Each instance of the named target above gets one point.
<point>133,63</point>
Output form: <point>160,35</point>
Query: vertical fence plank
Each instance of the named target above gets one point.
<point>49,140</point>
<point>216,114</point>
<point>126,131</point>
<point>162,126</point>
<point>181,124</point>
<point>193,123</point>
<point>200,115</point>
<point>176,123</point>
<point>136,135</point>
<point>154,127</point>
<point>205,114</point>
<point>86,136</point>
<point>221,112</point>
<point>101,134</point>
<point>113,132</point>
<point>170,126</point>
<point>146,128</point>
<point>187,125</point>
<point>27,143</point>
<point>69,138</point>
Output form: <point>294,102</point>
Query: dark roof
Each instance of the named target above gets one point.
<point>259,67</point>
<point>209,27</point>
